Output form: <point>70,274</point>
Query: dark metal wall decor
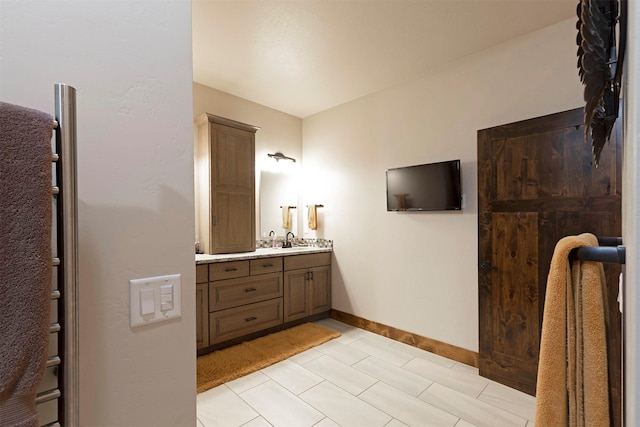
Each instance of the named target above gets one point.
<point>601,23</point>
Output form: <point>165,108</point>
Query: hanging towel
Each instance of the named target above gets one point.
<point>572,384</point>
<point>312,215</point>
<point>25,254</point>
<point>286,217</point>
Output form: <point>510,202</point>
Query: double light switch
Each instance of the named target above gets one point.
<point>154,299</point>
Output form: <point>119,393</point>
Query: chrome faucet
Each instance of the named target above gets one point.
<point>287,242</point>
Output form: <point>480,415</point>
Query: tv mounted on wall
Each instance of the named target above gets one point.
<point>427,187</point>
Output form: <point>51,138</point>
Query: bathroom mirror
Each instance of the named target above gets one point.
<point>277,189</point>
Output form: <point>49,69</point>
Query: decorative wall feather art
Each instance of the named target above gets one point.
<point>601,43</point>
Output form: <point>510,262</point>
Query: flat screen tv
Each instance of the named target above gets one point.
<point>428,187</point>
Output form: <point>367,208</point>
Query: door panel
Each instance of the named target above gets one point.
<point>537,184</point>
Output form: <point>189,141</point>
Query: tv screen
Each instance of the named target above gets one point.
<point>428,187</point>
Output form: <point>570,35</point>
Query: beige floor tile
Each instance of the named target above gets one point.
<point>221,407</point>
<point>469,384</point>
<point>405,408</point>
<point>248,381</point>
<point>461,367</point>
<point>463,423</point>
<point>342,352</point>
<point>280,407</point>
<point>305,356</point>
<point>342,375</point>
<point>343,408</point>
<point>384,352</point>
<point>292,376</point>
<point>395,423</point>
<point>510,400</point>
<point>257,422</point>
<point>418,352</point>
<point>469,409</point>
<point>394,376</point>
<point>327,422</point>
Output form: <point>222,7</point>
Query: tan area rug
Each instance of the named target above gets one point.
<point>233,362</point>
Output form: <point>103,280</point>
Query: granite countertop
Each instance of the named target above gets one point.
<point>260,253</point>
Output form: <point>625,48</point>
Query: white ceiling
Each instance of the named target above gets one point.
<point>302,57</point>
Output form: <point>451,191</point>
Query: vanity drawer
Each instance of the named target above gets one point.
<point>202,273</point>
<point>265,265</point>
<point>229,293</point>
<point>307,261</point>
<point>228,270</point>
<point>235,322</point>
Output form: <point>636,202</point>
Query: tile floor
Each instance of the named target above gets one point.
<point>364,380</point>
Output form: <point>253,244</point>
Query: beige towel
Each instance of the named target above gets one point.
<point>25,251</point>
<point>286,217</point>
<point>572,384</point>
<point>312,215</point>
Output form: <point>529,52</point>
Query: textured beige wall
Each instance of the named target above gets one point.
<point>130,62</point>
<point>418,271</point>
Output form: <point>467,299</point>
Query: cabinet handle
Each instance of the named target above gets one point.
<point>267,265</point>
<point>311,275</point>
<point>231,269</point>
<point>250,319</point>
<point>250,289</point>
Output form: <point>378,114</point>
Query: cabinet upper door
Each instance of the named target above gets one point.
<point>233,159</point>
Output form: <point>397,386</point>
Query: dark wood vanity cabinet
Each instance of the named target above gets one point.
<point>202,306</point>
<point>307,285</point>
<point>225,166</point>
<point>237,299</point>
<point>243,300</point>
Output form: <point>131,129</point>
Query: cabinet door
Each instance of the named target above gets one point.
<point>202,315</point>
<point>295,294</point>
<point>232,189</point>
<point>320,294</point>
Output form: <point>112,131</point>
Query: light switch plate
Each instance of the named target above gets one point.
<point>157,314</point>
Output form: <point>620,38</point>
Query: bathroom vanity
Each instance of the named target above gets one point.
<point>244,295</point>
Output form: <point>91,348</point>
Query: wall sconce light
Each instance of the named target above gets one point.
<point>279,156</point>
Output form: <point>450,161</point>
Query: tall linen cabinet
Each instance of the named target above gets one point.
<point>225,185</point>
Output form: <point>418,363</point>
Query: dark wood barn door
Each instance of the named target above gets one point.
<point>537,184</point>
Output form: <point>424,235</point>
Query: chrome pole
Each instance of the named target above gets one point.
<point>631,221</point>
<point>67,214</point>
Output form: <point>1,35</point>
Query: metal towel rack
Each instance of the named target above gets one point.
<point>64,292</point>
<point>610,250</point>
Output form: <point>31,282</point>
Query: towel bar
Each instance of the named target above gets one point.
<point>611,251</point>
